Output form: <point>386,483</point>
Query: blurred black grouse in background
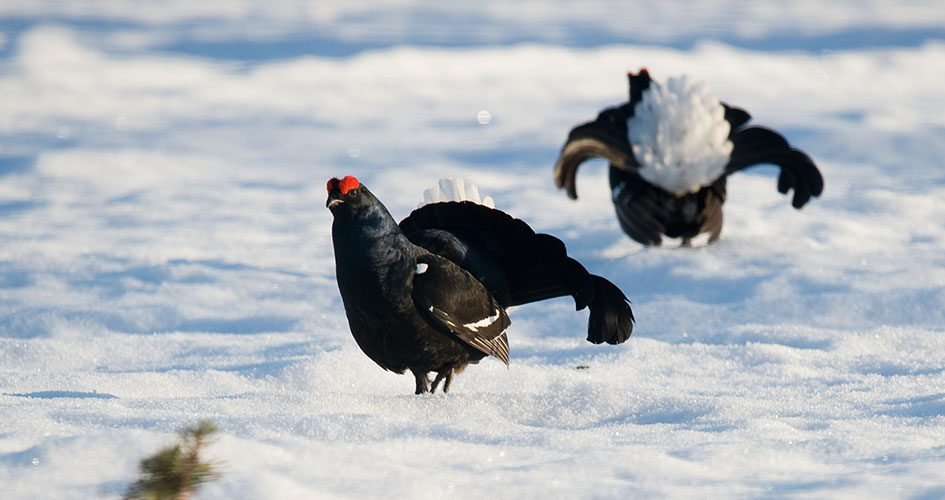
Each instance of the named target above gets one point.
<point>670,150</point>
<point>429,295</point>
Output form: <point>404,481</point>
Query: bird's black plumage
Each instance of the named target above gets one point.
<point>646,211</point>
<point>429,294</point>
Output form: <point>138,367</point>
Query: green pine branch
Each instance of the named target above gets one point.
<point>175,472</point>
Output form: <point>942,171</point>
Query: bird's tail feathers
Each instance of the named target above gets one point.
<point>454,189</point>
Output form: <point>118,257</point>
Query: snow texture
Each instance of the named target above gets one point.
<point>165,250</point>
<point>679,135</point>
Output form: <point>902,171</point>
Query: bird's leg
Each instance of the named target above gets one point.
<point>686,242</point>
<point>448,381</point>
<point>446,376</point>
<point>423,383</point>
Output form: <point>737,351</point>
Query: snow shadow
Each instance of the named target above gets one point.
<point>11,276</point>
<point>182,271</point>
<point>177,296</point>
<point>16,164</point>
<point>380,28</point>
<point>929,406</point>
<point>63,394</point>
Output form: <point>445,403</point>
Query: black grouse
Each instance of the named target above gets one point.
<point>429,294</point>
<point>671,148</point>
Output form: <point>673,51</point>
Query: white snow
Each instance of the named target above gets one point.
<point>165,251</point>
<point>679,135</point>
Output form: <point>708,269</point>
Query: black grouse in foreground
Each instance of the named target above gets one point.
<point>429,294</point>
<point>671,148</point>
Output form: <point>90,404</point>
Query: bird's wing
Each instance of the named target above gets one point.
<point>605,137</point>
<point>453,300</point>
<point>736,117</point>
<point>517,265</point>
<point>757,145</point>
<point>514,263</point>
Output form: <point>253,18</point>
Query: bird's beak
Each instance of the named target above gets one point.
<point>334,199</point>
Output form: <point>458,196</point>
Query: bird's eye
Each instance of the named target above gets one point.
<point>353,192</point>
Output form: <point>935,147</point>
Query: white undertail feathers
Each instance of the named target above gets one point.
<point>679,135</point>
<point>454,189</point>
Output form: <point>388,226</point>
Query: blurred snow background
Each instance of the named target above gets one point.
<point>165,252</point>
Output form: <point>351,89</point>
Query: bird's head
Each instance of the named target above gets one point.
<point>357,212</point>
<point>638,83</point>
<point>348,198</point>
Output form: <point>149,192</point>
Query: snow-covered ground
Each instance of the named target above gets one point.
<point>165,251</point>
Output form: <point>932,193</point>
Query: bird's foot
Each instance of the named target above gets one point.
<point>423,383</point>
<point>446,376</point>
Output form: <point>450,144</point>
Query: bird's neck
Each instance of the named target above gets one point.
<point>372,245</point>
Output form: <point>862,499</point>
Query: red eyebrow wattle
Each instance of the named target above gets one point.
<point>347,184</point>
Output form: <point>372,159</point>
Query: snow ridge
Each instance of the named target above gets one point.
<point>679,135</point>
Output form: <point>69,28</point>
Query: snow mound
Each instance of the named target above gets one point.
<point>679,135</point>
<point>454,189</point>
